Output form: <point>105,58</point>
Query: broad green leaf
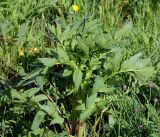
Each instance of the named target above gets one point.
<point>81,107</point>
<point>90,42</point>
<point>32,74</point>
<point>40,81</point>
<point>72,64</point>
<point>73,44</point>
<point>44,70</point>
<point>140,67</point>
<point>61,21</point>
<point>48,62</point>
<point>114,49</point>
<point>29,93</point>
<point>124,31</point>
<point>102,40</point>
<point>51,134</point>
<point>58,30</point>
<point>57,120</point>
<point>39,97</point>
<point>20,70</point>
<point>67,72</point>
<point>101,103</point>
<point>107,89</point>
<point>51,110</point>
<point>83,47</point>
<point>117,61</point>
<point>131,64</point>
<point>38,119</point>
<point>25,82</point>
<point>99,83</point>
<point>17,95</point>
<point>91,100</point>
<point>52,29</point>
<point>91,26</point>
<point>94,63</point>
<point>62,55</point>
<point>66,34</point>
<point>144,74</point>
<point>87,113</point>
<point>77,78</point>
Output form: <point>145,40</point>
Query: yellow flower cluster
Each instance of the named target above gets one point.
<point>21,51</point>
<point>75,8</point>
<point>34,50</point>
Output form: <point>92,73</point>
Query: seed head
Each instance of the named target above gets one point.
<point>136,110</point>
<point>151,84</point>
<point>140,126</point>
<point>125,87</point>
<point>155,100</point>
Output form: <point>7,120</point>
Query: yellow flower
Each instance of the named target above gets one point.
<point>31,50</point>
<point>34,50</point>
<point>21,52</point>
<point>75,8</point>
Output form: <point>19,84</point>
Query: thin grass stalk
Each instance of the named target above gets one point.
<point>105,18</point>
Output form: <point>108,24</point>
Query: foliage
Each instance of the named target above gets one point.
<point>79,68</point>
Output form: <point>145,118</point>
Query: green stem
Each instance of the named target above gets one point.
<point>105,15</point>
<point>74,114</point>
<point>81,129</point>
<point>85,84</point>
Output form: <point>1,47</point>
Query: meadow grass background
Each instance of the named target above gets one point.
<point>91,72</point>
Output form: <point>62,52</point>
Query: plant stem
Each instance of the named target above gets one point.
<point>74,115</point>
<point>81,129</point>
<point>105,15</point>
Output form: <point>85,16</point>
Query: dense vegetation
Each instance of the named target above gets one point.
<point>79,68</point>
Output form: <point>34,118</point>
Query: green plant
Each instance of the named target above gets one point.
<point>82,73</point>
